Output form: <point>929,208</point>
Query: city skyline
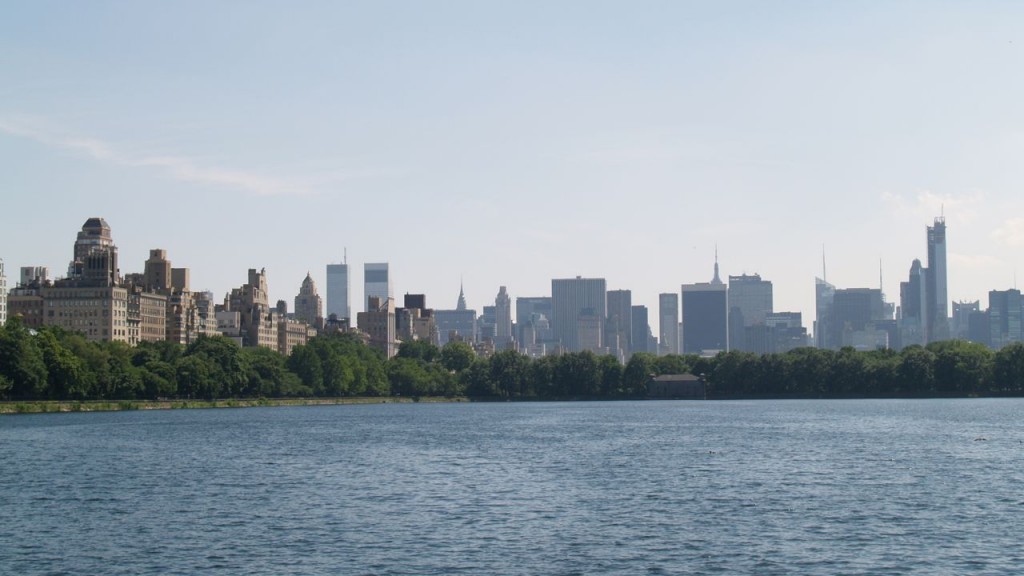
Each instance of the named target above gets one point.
<point>509,145</point>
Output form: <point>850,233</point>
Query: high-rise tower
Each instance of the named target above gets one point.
<point>502,319</point>
<point>937,300</point>
<point>308,305</point>
<point>376,282</point>
<point>3,294</point>
<point>668,323</point>
<point>338,302</point>
<point>579,306</point>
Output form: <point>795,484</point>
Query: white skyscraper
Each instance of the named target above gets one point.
<point>3,294</point>
<point>376,282</point>
<point>338,291</point>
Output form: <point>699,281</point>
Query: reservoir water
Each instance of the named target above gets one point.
<point>766,487</point>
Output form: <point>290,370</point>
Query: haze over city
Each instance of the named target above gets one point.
<point>509,144</point>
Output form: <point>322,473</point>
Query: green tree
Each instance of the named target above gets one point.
<point>305,363</point>
<point>457,356</point>
<point>611,376</point>
<point>1008,369</point>
<point>65,372</point>
<point>916,371</point>
<point>224,361</point>
<point>419,350</point>
<point>509,370</point>
<point>638,372</point>
<point>961,367</point>
<point>195,379</point>
<point>21,361</point>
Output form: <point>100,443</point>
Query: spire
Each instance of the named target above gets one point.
<point>824,272</point>
<point>717,281</point>
<point>462,298</point>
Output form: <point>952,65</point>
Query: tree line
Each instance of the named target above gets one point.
<point>55,364</point>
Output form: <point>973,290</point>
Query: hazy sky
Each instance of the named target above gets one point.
<point>508,143</point>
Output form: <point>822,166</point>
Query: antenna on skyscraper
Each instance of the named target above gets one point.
<point>346,255</point>
<point>824,276</point>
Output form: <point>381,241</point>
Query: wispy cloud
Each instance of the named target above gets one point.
<point>1010,234</point>
<point>975,261</point>
<point>927,204</point>
<point>177,167</point>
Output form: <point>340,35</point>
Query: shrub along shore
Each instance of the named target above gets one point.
<point>56,370</point>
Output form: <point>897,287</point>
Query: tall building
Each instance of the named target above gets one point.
<point>309,307</point>
<point>414,321</point>
<point>824,297</point>
<point>640,330</point>
<point>34,275</point>
<point>619,327</point>
<point>961,319</point>
<point>256,320</point>
<point>93,239</point>
<point>705,312</point>
<point>579,308</point>
<point>503,320</point>
<point>786,330</point>
<point>937,312</point>
<point>376,282</point>
<point>91,300</point>
<point>913,319</point>
<point>3,294</point>
<point>668,323</point>
<point>379,323</point>
<point>750,302</point>
<point>858,319</point>
<point>530,310</point>
<point>1004,317</point>
<point>338,291</point>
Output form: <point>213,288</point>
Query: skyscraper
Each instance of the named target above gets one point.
<point>1004,316</point>
<point>309,307</point>
<point>641,330</point>
<point>3,294</point>
<point>824,297</point>
<point>750,302</point>
<point>668,323</point>
<point>705,311</point>
<point>858,316</point>
<point>619,328</point>
<point>913,309</point>
<point>338,291</point>
<point>376,282</point>
<point>502,320</point>
<point>937,314</point>
<point>579,306</point>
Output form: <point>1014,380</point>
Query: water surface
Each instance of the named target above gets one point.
<point>765,487</point>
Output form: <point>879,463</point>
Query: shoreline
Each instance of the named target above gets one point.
<point>14,407</point>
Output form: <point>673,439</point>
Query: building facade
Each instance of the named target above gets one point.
<point>705,312</point>
<point>376,284</point>
<point>503,320</point>
<point>1004,318</point>
<point>668,324</point>
<point>750,303</point>
<point>619,325</point>
<point>937,315</point>
<point>579,307</point>
<point>3,294</point>
<point>379,324</point>
<point>309,308</point>
<point>338,291</point>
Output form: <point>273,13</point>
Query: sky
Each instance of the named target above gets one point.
<point>509,143</point>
